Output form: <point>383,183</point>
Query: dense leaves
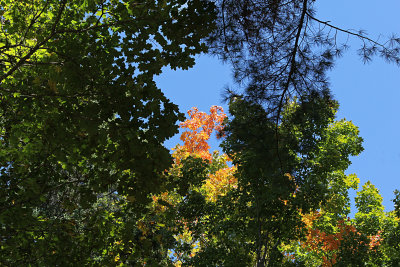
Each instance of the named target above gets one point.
<point>85,178</point>
<point>298,218</point>
<point>250,222</point>
<point>82,118</point>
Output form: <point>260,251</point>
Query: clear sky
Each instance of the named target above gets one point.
<point>368,94</point>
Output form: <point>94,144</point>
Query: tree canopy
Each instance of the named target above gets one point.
<point>86,180</point>
<point>81,116</point>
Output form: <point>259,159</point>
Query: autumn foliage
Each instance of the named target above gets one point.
<point>199,128</point>
<point>327,245</point>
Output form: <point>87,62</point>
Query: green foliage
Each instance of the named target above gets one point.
<point>83,166</point>
<point>333,239</point>
<point>297,166</point>
<point>391,245</point>
<point>370,209</point>
<point>81,117</point>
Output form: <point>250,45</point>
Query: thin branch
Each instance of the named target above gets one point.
<point>293,60</point>
<point>291,73</point>
<point>94,27</point>
<point>345,31</point>
<point>38,45</point>
<point>33,21</point>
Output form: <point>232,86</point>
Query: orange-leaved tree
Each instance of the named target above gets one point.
<point>199,128</point>
<point>198,177</point>
<point>346,239</point>
<point>332,238</point>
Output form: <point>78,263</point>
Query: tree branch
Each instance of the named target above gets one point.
<point>293,59</point>
<point>345,31</point>
<point>38,45</point>
<point>291,72</point>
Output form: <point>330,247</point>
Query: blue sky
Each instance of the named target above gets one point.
<point>368,94</point>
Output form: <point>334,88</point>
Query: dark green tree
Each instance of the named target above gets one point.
<point>82,122</point>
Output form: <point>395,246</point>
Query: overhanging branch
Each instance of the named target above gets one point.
<point>345,31</point>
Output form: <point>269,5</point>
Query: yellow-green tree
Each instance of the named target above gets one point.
<point>277,179</point>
